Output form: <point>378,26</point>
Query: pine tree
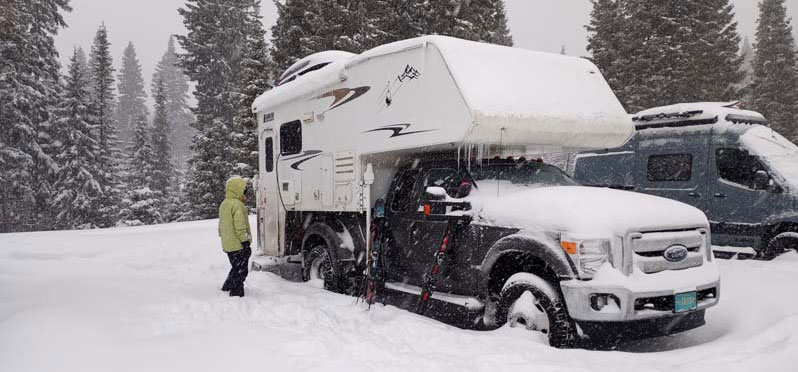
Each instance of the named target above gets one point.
<point>655,53</point>
<point>76,189</point>
<point>178,114</point>
<point>29,93</point>
<point>774,89</point>
<point>606,43</point>
<point>132,97</point>
<point>256,68</point>
<point>141,206</point>
<point>163,174</point>
<point>217,34</point>
<point>747,55</point>
<point>102,120</point>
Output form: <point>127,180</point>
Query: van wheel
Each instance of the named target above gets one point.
<point>530,302</point>
<point>780,244</point>
<point>320,270</point>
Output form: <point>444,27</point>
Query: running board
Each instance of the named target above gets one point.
<point>734,251</point>
<point>469,303</point>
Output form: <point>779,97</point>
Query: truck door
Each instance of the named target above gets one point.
<point>676,168</point>
<point>270,211</point>
<point>738,206</point>
<point>401,211</point>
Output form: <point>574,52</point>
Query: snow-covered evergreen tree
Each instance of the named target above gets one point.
<point>747,55</point>
<point>218,32</point>
<point>104,125</point>
<point>655,53</point>
<point>178,114</point>
<point>164,177</point>
<point>774,88</point>
<point>142,202</point>
<point>256,70</point>
<point>76,189</point>
<point>29,92</point>
<point>132,97</point>
<point>305,27</point>
<point>606,43</point>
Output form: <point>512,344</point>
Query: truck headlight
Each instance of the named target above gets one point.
<point>588,254</point>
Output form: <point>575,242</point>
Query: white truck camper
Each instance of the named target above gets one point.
<point>432,131</point>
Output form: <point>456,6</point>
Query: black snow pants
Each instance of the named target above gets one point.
<point>239,261</point>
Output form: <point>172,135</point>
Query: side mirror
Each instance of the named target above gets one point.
<point>436,193</point>
<point>761,180</point>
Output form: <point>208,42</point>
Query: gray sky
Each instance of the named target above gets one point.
<point>543,25</point>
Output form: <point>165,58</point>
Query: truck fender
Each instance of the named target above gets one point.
<point>547,252</point>
<point>332,239</point>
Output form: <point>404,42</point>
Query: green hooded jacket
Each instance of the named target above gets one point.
<point>233,216</point>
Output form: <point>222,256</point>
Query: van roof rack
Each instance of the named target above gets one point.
<point>671,120</point>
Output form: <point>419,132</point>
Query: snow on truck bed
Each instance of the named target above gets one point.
<point>146,299</point>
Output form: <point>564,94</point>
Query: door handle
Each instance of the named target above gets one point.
<point>720,195</point>
<point>694,195</point>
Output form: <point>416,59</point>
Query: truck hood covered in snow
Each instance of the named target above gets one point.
<point>589,211</point>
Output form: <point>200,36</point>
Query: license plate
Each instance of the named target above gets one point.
<point>684,302</point>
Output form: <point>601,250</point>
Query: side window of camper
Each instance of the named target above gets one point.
<point>403,192</point>
<point>737,166</point>
<point>291,138</point>
<point>268,150</point>
<point>670,167</point>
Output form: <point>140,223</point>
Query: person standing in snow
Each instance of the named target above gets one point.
<point>235,234</point>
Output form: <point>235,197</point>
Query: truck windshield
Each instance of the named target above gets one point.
<point>777,152</point>
<point>525,174</point>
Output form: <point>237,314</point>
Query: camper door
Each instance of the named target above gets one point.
<point>270,211</point>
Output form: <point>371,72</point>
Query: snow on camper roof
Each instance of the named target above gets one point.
<point>514,96</point>
<point>525,96</point>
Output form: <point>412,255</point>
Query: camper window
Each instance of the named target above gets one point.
<point>403,195</point>
<point>670,168</point>
<point>268,153</point>
<point>291,138</point>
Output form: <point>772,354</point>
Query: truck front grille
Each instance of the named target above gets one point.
<point>649,249</point>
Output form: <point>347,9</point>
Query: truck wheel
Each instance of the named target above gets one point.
<point>321,270</point>
<point>780,244</point>
<point>531,302</point>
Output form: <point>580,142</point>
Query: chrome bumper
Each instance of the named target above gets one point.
<point>642,296</point>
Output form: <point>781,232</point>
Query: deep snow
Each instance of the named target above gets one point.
<point>147,299</point>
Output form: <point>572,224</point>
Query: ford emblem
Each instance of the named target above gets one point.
<point>675,253</point>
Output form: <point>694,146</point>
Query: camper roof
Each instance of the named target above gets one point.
<point>514,96</point>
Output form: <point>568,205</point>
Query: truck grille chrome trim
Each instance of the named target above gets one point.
<point>648,250</point>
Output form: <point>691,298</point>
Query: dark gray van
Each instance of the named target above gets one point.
<point>718,158</point>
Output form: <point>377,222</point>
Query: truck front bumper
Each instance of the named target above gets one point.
<point>640,296</point>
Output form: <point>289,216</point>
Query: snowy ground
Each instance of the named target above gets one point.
<point>146,299</point>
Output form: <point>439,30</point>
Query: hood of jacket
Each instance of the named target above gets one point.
<point>235,187</point>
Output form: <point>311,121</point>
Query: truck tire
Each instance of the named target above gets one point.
<point>780,244</point>
<point>529,301</point>
<point>321,268</point>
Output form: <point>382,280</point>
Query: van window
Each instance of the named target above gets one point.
<point>670,168</point>
<point>403,193</point>
<point>291,138</point>
<point>268,150</point>
<point>737,166</point>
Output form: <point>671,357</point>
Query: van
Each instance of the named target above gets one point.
<point>718,158</point>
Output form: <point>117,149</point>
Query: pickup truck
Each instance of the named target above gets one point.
<point>529,246</point>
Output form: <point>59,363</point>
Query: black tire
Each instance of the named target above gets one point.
<point>561,328</point>
<point>779,245</point>
<point>320,265</point>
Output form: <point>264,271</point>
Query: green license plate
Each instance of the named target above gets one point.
<point>684,302</point>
